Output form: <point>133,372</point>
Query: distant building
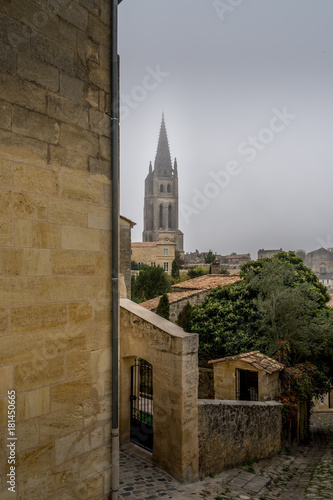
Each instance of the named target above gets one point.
<point>161,197</point>
<point>321,263</point>
<point>154,253</point>
<point>266,254</point>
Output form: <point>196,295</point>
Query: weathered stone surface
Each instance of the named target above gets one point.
<point>79,140</point>
<point>37,234</point>
<point>99,168</point>
<point>6,115</point>
<point>97,288</point>
<point>60,423</point>
<point>67,34</point>
<point>87,49</point>
<point>71,87</point>
<point>4,317</point>
<point>6,232</point>
<point>67,110</point>
<point>23,93</point>
<point>99,218</point>
<point>35,460</point>
<point>6,379</point>
<point>98,31</point>
<point>59,289</point>
<point>70,12</point>
<point>23,205</point>
<point>80,238</point>
<point>105,147</point>
<point>16,290</point>
<point>65,341</point>
<point>232,432</point>
<point>19,148</point>
<point>64,160</point>
<point>62,211</point>
<point>35,70</point>
<point>100,123</point>
<point>35,318</point>
<point>25,262</point>
<point>34,16</point>
<point>36,180</point>
<point>27,434</point>
<point>7,58</point>
<point>51,52</point>
<point>31,404</point>
<point>73,262</point>
<point>39,372</point>
<point>81,189</point>
<point>17,348</point>
<point>77,364</point>
<point>99,76</point>
<point>80,313</point>
<point>70,393</point>
<point>35,125</point>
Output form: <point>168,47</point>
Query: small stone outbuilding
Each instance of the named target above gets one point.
<point>252,376</point>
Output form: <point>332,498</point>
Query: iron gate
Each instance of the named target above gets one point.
<point>142,404</point>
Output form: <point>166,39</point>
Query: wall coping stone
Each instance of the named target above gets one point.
<point>227,402</point>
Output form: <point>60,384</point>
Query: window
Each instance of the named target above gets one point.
<point>161,216</point>
<point>166,266</point>
<point>166,251</point>
<point>322,269</point>
<point>161,188</point>
<point>169,216</point>
<point>246,385</point>
<point>169,188</point>
<point>152,264</point>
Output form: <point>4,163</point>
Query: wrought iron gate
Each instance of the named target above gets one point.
<point>142,404</point>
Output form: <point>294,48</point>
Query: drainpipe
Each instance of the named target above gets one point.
<point>115,245</point>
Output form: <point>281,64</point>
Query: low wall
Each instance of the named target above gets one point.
<point>233,432</point>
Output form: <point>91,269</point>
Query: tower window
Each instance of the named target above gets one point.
<point>161,188</point>
<point>169,216</point>
<point>169,188</point>
<point>166,251</point>
<point>161,216</point>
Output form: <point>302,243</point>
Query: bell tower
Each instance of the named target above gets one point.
<point>160,214</point>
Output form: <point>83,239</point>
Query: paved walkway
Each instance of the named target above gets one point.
<point>302,473</point>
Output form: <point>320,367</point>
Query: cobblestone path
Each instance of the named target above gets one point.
<point>302,473</point>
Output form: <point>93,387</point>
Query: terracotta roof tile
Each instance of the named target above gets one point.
<point>173,297</point>
<point>256,359</point>
<point>206,282</point>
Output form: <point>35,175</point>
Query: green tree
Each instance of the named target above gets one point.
<point>184,317</point>
<point>163,308</point>
<point>278,299</point>
<point>210,257</point>
<point>150,283</point>
<point>196,272</point>
<point>175,269</point>
<point>135,266</point>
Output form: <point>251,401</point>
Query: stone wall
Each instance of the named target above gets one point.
<point>233,432</point>
<point>55,246</point>
<point>125,253</point>
<point>174,357</point>
<point>206,383</point>
<point>194,300</point>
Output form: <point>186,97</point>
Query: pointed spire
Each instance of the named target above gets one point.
<point>175,169</point>
<point>150,167</point>
<point>163,159</point>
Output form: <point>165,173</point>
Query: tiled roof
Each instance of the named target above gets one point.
<point>256,359</point>
<point>173,297</point>
<point>151,243</point>
<point>128,220</point>
<point>206,282</point>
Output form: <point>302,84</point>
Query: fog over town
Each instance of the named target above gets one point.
<point>246,91</point>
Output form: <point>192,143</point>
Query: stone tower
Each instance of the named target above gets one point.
<point>161,197</point>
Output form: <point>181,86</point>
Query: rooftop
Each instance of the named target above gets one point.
<point>256,359</point>
<point>152,304</point>
<point>151,243</point>
<point>206,282</point>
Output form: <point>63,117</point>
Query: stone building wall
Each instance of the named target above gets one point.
<point>231,433</point>
<point>194,300</point>
<point>55,246</point>
<point>125,252</point>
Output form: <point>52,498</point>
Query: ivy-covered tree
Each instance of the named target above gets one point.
<point>184,317</point>
<point>150,283</point>
<point>278,299</point>
<point>197,271</point>
<point>163,308</point>
<point>175,269</point>
<point>210,257</point>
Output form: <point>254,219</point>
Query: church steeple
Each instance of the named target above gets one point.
<point>175,169</point>
<point>162,164</point>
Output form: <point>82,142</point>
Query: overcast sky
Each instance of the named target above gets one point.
<point>246,88</point>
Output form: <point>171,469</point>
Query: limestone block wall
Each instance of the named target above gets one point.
<point>55,247</point>
<point>194,300</point>
<point>174,357</point>
<point>225,381</point>
<point>233,432</point>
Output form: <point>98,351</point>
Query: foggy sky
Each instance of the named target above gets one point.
<point>246,88</point>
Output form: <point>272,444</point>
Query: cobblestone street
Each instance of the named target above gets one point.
<point>301,473</point>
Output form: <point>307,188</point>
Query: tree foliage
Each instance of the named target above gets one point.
<point>210,257</point>
<point>175,269</point>
<point>197,271</point>
<point>278,299</point>
<point>150,283</point>
<point>163,308</point>
<point>184,317</point>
